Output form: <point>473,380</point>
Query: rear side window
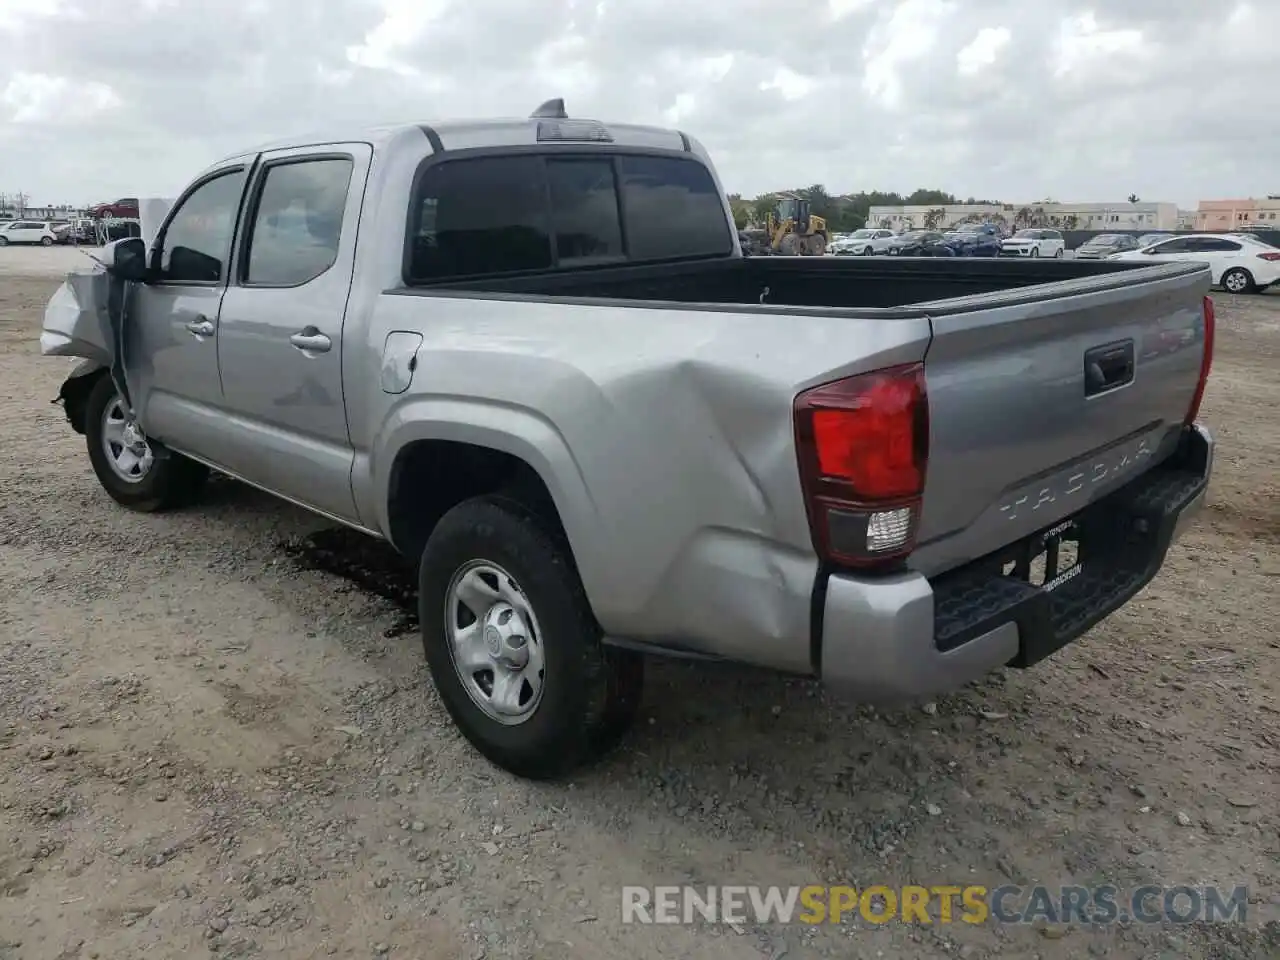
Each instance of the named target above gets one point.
<point>482,216</point>
<point>297,222</point>
<point>486,216</point>
<point>672,208</point>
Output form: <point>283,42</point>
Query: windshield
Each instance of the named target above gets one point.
<point>915,235</point>
<point>1108,238</point>
<point>863,234</point>
<point>1027,235</point>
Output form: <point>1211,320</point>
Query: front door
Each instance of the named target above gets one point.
<point>171,350</point>
<point>280,329</point>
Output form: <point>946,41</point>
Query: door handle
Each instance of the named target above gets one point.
<point>311,340</point>
<point>201,327</point>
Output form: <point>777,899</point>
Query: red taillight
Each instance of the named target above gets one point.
<point>863,443</point>
<point>1206,361</point>
<point>1273,257</point>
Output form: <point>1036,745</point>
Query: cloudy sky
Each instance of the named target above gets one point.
<point>1017,100</point>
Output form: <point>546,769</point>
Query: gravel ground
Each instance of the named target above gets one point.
<point>206,747</point>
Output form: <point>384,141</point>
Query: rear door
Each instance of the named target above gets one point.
<point>1041,402</point>
<point>1220,253</point>
<point>280,329</point>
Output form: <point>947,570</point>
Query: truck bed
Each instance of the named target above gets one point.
<point>1007,346</point>
<point>830,282</point>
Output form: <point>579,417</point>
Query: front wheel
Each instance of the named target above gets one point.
<point>1238,280</point>
<point>4,241</point>
<point>513,646</point>
<point>1035,252</point>
<point>132,469</point>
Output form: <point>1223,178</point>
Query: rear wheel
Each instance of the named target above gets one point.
<point>790,245</point>
<point>46,241</point>
<point>1058,254</point>
<point>514,649</point>
<point>4,241</point>
<point>135,471</point>
<point>816,245</point>
<point>1238,280</point>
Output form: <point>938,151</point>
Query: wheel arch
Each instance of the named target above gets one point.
<point>439,453</point>
<point>75,390</point>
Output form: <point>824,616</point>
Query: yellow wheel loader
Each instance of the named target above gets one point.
<point>793,231</point>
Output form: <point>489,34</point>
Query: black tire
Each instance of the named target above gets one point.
<point>1058,255</point>
<point>46,241</point>
<point>590,694</point>
<point>1236,275</point>
<point>4,241</point>
<point>1035,252</point>
<point>172,480</point>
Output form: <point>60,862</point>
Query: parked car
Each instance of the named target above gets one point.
<point>862,242</point>
<point>27,231</point>
<point>1147,239</point>
<point>1240,263</point>
<point>1034,243</point>
<point>974,240</point>
<point>126,207</point>
<point>797,470</point>
<point>919,243</point>
<point>1106,244</point>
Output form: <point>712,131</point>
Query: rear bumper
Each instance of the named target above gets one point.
<point>908,637</point>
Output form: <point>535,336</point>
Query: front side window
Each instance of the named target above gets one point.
<point>197,239</point>
<point>297,221</point>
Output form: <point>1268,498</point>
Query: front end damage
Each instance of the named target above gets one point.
<point>86,318</point>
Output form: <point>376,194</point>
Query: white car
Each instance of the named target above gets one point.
<point>1240,263</point>
<point>1034,243</point>
<point>27,231</point>
<point>862,242</point>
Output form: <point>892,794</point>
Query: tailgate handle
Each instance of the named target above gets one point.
<point>1108,367</point>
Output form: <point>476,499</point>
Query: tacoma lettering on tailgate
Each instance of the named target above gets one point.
<point>1073,482</point>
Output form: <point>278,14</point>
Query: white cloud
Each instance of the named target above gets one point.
<point>40,98</point>
<point>1009,99</point>
<point>982,50</point>
<point>909,35</point>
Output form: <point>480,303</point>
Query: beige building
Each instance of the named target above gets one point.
<point>1222,216</point>
<point>1120,215</point>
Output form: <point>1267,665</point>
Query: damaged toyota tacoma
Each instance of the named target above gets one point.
<point>530,355</point>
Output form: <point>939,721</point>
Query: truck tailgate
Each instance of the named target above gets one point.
<point>1044,399</point>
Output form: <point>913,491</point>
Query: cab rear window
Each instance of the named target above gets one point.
<point>487,216</point>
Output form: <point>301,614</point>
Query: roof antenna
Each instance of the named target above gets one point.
<point>551,110</point>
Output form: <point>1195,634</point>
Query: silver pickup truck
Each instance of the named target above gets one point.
<point>531,355</point>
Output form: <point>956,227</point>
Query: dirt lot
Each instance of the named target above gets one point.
<point>204,747</point>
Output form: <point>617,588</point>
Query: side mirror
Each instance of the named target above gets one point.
<point>127,259</point>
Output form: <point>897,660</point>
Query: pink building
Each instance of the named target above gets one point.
<point>1223,216</point>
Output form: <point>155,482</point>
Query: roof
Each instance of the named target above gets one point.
<point>462,134</point>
